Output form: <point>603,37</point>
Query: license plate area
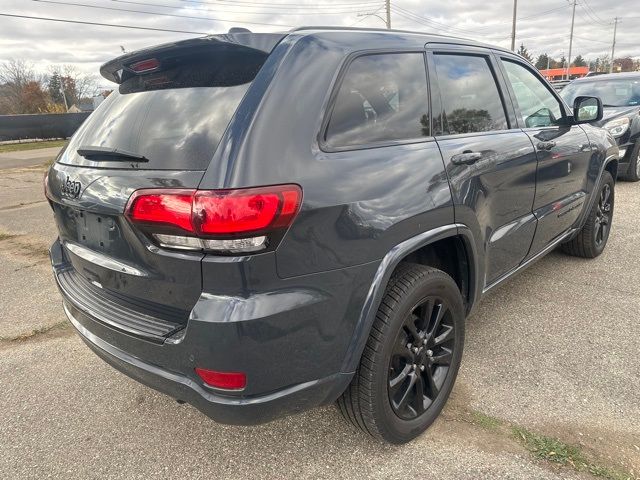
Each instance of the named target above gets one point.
<point>92,230</point>
<point>95,231</point>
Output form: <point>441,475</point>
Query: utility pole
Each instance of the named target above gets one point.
<point>573,19</point>
<point>548,65</point>
<point>613,45</point>
<point>513,27</point>
<point>64,97</point>
<point>387,5</point>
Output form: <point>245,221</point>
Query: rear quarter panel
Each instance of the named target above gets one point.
<point>358,204</point>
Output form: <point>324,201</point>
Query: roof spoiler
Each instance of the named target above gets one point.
<point>152,59</point>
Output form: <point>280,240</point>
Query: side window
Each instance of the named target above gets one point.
<point>470,97</point>
<point>538,107</point>
<point>383,97</point>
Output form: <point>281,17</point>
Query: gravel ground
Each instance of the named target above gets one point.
<point>554,349</point>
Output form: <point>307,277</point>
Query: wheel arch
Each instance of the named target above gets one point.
<point>456,236</point>
<point>611,165</point>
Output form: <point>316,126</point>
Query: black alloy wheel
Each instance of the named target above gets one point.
<point>603,216</point>
<point>421,358</point>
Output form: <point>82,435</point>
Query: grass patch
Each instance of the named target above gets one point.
<point>485,421</point>
<point>18,147</point>
<point>6,236</point>
<point>556,451</point>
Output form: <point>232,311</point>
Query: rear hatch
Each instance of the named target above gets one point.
<point>158,129</point>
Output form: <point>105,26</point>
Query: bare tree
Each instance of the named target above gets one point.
<point>15,76</point>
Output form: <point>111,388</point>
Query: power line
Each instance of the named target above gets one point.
<point>431,23</point>
<point>591,21</point>
<point>133,27</point>
<point>333,12</point>
<point>250,4</point>
<point>591,12</point>
<point>156,13</point>
<point>479,31</point>
<point>367,15</point>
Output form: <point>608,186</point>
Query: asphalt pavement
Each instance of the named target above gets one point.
<point>554,350</point>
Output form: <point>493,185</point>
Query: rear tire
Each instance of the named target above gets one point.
<point>412,356</point>
<point>633,172</point>
<point>591,241</point>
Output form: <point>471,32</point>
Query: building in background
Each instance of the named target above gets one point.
<point>561,73</point>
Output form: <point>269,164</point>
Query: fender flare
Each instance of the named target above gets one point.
<point>592,197</point>
<point>381,278</point>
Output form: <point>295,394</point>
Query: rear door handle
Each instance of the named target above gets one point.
<point>466,158</point>
<point>546,145</point>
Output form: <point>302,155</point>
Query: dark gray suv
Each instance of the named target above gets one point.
<point>258,224</point>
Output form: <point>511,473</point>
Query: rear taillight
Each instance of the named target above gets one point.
<point>233,221</point>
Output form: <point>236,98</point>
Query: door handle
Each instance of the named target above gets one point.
<point>546,145</point>
<point>466,158</point>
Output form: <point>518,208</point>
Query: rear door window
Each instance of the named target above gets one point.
<point>470,96</point>
<point>382,98</point>
<point>174,117</point>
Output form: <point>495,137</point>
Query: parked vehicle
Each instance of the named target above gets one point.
<point>620,94</point>
<point>258,224</point>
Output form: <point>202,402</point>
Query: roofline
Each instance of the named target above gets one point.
<point>461,40</point>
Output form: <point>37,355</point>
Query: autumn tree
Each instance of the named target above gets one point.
<point>33,98</point>
<point>625,64</point>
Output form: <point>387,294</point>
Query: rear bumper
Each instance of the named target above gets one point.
<point>290,343</point>
<point>223,409</point>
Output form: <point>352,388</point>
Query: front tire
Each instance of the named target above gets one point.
<point>412,356</point>
<point>633,173</point>
<point>591,241</point>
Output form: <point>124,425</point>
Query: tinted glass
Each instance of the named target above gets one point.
<point>613,93</point>
<point>470,97</point>
<point>175,117</point>
<point>382,98</point>
<point>538,107</point>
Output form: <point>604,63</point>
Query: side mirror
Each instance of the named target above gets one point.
<point>587,110</point>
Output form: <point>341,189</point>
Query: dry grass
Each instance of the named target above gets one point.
<point>18,147</point>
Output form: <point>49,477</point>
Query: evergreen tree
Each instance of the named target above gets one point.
<point>524,53</point>
<point>543,61</point>
<point>579,62</point>
<point>54,87</point>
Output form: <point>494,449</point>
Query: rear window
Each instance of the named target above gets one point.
<point>382,98</point>
<point>613,93</point>
<point>175,117</point>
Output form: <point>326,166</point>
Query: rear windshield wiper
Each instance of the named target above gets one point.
<point>107,154</point>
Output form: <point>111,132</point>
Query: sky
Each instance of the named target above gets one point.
<point>542,26</point>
